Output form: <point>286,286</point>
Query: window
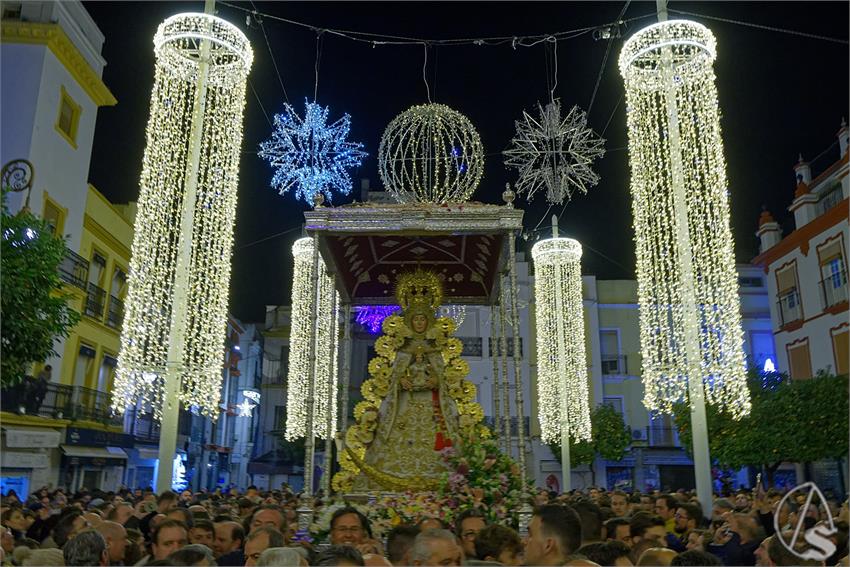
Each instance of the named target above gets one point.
<point>789,300</point>
<point>69,118</point>
<point>750,282</point>
<point>97,267</point>
<point>119,283</point>
<point>85,361</point>
<point>54,215</point>
<point>800,360</point>
<point>106,374</point>
<point>612,362</point>
<point>830,198</point>
<point>833,273</point>
<point>840,350</point>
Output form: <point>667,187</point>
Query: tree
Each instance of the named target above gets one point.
<point>35,311</point>
<point>791,421</point>
<point>609,438</point>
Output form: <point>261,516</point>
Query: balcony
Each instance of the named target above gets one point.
<point>74,269</point>
<point>662,437</point>
<point>142,426</point>
<point>58,401</point>
<point>788,307</point>
<point>95,302</point>
<point>614,364</point>
<point>834,289</point>
<point>115,314</point>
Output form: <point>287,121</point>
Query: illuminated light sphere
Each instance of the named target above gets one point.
<point>310,154</point>
<point>325,348</point>
<point>562,378</point>
<point>690,317</point>
<point>372,316</point>
<point>431,154</point>
<point>554,154</point>
<point>175,166</point>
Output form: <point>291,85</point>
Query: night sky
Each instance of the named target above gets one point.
<point>780,95</point>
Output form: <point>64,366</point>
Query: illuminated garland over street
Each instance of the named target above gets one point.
<point>431,154</point>
<point>562,390</point>
<point>180,265</point>
<point>311,154</point>
<point>327,325</point>
<point>690,317</point>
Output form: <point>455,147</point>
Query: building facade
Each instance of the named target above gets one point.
<point>51,88</point>
<point>806,271</point>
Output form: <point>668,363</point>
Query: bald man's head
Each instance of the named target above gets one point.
<point>116,540</point>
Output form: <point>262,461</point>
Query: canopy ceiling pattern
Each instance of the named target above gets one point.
<point>368,245</point>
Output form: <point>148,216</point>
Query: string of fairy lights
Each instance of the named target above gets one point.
<point>171,162</point>
<point>562,376</point>
<point>687,284</point>
<point>324,373</point>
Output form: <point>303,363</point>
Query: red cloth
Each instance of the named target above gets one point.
<point>440,441</point>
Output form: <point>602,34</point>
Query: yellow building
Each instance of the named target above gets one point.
<point>69,437</point>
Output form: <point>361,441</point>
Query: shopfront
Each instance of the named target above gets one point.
<point>29,458</point>
<point>93,458</point>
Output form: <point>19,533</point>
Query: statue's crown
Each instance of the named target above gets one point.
<point>419,289</point>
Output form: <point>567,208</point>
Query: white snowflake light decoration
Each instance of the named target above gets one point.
<point>554,154</point>
<point>311,154</point>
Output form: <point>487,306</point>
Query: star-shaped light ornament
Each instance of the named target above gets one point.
<point>310,154</point>
<point>554,154</point>
<point>246,408</point>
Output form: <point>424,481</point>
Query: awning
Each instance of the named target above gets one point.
<point>94,452</point>
<point>32,437</point>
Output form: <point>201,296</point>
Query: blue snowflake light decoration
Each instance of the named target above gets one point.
<point>311,154</point>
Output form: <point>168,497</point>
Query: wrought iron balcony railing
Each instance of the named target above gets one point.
<point>58,401</point>
<point>788,307</point>
<point>74,269</point>
<point>614,364</point>
<point>95,301</point>
<point>115,313</point>
<point>834,289</point>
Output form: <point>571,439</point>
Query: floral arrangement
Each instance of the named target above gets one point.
<point>479,476</point>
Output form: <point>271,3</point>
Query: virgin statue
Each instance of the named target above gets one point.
<point>416,403</point>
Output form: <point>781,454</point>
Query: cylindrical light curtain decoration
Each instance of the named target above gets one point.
<point>690,318</point>
<point>562,380</point>
<point>180,265</point>
<point>327,330</point>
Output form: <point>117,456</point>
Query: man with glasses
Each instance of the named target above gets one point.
<point>467,526</point>
<point>350,527</point>
<point>686,519</point>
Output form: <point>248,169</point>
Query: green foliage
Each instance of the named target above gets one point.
<point>791,420</point>
<point>609,438</point>
<point>34,310</point>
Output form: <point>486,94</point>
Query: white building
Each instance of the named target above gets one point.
<point>806,271</point>
<point>51,87</point>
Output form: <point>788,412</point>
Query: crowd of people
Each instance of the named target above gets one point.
<point>593,527</point>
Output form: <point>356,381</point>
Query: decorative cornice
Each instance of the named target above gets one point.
<point>100,232</point>
<point>55,38</point>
